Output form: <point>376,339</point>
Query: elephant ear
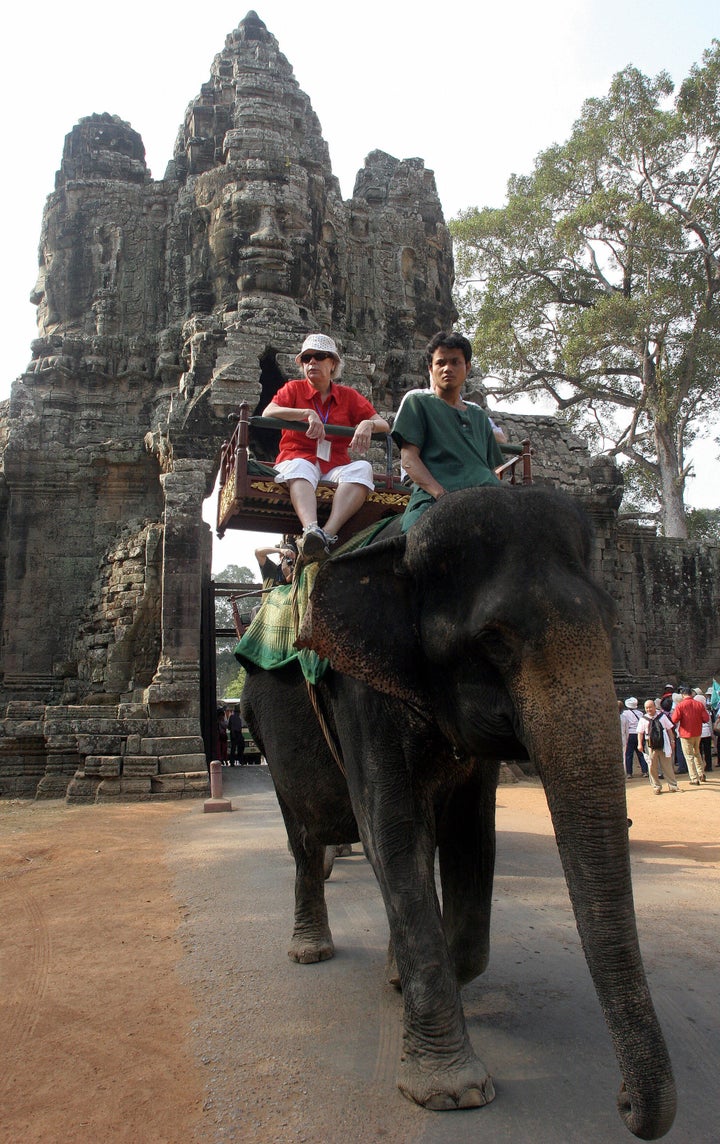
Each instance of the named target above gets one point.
<point>362,617</point>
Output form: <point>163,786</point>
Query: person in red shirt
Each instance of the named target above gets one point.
<point>307,455</point>
<point>689,717</point>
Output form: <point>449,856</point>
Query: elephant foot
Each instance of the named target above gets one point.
<point>445,1090</point>
<point>306,950</point>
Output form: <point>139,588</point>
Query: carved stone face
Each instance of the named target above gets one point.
<point>259,232</point>
<point>247,241</point>
<point>63,290</point>
<point>97,201</point>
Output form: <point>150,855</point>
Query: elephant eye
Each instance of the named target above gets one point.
<point>495,643</point>
<point>488,638</point>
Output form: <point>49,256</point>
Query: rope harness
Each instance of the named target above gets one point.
<point>311,687</point>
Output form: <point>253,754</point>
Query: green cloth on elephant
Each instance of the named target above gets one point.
<point>458,446</point>
<point>269,641</point>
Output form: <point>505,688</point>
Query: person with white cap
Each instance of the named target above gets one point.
<point>310,454</point>
<point>629,727</point>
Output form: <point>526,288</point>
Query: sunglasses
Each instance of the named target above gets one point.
<point>316,355</point>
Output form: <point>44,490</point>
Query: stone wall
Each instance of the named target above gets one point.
<point>667,593</point>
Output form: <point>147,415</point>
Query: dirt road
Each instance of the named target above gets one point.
<point>147,995</point>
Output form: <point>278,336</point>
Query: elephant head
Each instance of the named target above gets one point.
<point>485,618</point>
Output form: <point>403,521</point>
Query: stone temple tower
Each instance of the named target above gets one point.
<point>161,305</point>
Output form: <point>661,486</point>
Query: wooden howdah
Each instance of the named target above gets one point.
<point>254,501</point>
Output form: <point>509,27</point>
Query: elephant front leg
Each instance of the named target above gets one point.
<point>438,1066</point>
<point>466,842</point>
<point>311,938</point>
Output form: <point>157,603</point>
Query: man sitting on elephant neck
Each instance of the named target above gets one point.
<point>446,443</point>
<point>307,456</point>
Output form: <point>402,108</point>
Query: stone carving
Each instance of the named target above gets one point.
<point>161,304</point>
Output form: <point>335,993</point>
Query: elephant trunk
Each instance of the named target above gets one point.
<point>569,722</point>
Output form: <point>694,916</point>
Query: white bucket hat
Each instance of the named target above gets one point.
<point>320,342</point>
<point>631,702</point>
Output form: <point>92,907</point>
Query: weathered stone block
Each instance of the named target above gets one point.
<point>108,790</point>
<point>61,743</point>
<point>162,728</point>
<point>198,781</point>
<point>172,745</point>
<point>99,744</point>
<point>139,766</point>
<point>105,766</point>
<point>168,784</point>
<point>20,709</point>
<point>180,764</point>
<point>131,711</point>
<point>81,789</point>
<point>137,786</point>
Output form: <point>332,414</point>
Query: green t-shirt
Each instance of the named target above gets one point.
<point>458,446</point>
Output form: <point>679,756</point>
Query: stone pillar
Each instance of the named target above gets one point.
<point>187,548</point>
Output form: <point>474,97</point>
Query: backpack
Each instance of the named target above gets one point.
<point>656,735</point>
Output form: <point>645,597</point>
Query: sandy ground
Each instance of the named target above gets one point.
<point>147,996</point>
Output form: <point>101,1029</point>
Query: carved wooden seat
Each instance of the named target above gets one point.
<point>250,498</point>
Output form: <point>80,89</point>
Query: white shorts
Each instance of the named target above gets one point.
<point>356,473</point>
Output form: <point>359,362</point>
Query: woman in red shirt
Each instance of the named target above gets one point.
<point>309,454</point>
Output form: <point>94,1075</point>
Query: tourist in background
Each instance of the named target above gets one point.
<point>629,728</point>
<point>659,759</point>
<point>222,735</point>
<point>706,732</point>
<point>237,741</point>
<point>689,717</point>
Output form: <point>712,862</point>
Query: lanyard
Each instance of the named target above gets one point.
<point>319,413</point>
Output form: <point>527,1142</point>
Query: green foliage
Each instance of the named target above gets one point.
<point>704,524</point>
<point>233,574</point>
<point>598,282</point>
<point>233,689</point>
<point>230,676</point>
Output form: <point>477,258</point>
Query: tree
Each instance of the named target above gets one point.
<point>704,524</point>
<point>230,677</point>
<point>598,283</point>
<point>233,574</point>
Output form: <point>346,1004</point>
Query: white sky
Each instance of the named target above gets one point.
<point>474,90</point>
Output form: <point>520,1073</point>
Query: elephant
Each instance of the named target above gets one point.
<point>452,647</point>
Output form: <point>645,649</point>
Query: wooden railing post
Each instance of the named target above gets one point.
<point>526,462</point>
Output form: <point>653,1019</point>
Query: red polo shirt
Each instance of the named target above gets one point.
<point>342,406</point>
<point>690,715</point>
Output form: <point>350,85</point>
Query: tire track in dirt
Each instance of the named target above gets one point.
<point>26,970</point>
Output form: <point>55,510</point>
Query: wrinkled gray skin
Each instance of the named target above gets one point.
<point>465,642</point>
